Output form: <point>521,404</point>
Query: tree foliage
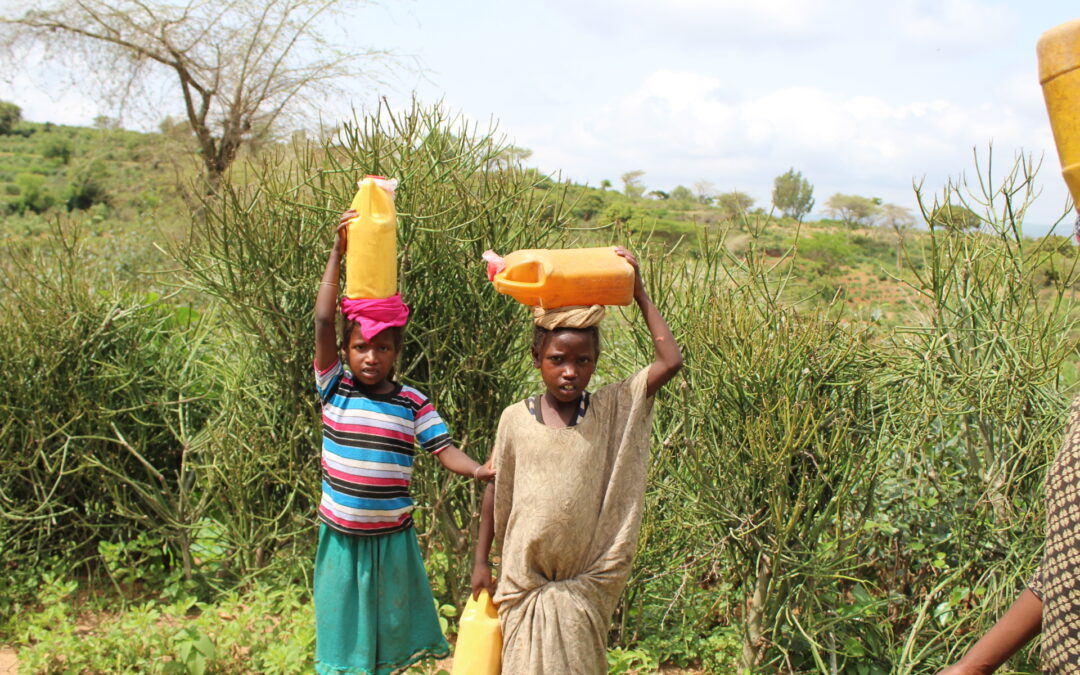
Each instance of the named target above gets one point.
<point>239,68</point>
<point>632,185</point>
<point>682,193</point>
<point>793,194</point>
<point>954,217</point>
<point>734,204</point>
<point>705,191</point>
<point>854,210</point>
<point>10,115</point>
<point>895,217</point>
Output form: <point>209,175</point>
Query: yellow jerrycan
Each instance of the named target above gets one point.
<point>371,249</point>
<point>549,278</point>
<point>479,642</point>
<point>1059,74</point>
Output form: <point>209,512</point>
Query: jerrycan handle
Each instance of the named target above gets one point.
<point>502,279</point>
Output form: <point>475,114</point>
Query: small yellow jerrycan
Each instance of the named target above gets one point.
<point>1059,74</point>
<point>371,249</point>
<point>571,276</point>
<point>479,642</point>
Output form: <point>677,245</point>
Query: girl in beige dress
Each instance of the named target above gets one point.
<point>565,507</point>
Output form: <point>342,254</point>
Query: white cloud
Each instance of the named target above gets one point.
<point>795,23</point>
<point>678,127</point>
<point>746,22</point>
<point>60,105</point>
<point>952,22</point>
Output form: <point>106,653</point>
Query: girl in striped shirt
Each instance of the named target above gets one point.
<point>374,611</point>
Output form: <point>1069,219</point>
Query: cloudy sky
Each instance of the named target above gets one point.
<point>861,96</point>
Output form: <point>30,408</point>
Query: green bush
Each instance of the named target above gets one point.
<point>55,146</point>
<point>10,115</point>
<point>828,248</point>
<point>34,194</point>
<point>103,390</point>
<point>86,187</point>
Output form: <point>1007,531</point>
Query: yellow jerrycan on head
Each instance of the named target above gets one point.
<point>1059,74</point>
<point>479,641</point>
<point>371,249</point>
<point>571,276</point>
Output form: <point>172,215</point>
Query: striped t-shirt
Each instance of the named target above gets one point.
<point>367,452</point>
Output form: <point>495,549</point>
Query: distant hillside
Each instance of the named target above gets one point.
<point>127,187</point>
<point>125,174</point>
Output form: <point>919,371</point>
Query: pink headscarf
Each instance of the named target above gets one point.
<point>375,314</point>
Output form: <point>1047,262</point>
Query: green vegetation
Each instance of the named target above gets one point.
<point>793,194</point>
<point>846,475</point>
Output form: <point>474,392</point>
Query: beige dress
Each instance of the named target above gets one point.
<point>567,513</point>
<point>1057,581</point>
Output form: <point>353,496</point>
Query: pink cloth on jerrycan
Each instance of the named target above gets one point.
<point>375,314</point>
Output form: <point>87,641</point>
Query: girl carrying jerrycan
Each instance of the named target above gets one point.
<point>565,506</point>
<point>374,611</point>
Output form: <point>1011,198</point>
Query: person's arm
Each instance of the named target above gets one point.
<point>667,358</point>
<point>1012,631</point>
<point>457,461</point>
<point>326,351</point>
<point>481,575</point>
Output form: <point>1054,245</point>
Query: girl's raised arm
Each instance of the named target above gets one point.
<point>326,351</point>
<point>668,357</point>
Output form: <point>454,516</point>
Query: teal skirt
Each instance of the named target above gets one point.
<point>374,612</point>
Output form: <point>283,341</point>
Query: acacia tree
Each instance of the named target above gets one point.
<point>954,217</point>
<point>854,210</point>
<point>793,194</point>
<point>705,191</point>
<point>734,204</point>
<point>241,67</point>
<point>899,220</point>
<point>632,185</point>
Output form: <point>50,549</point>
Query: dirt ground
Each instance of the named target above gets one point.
<point>9,665</point>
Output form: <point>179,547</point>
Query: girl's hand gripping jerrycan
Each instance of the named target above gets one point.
<point>1059,74</point>
<point>572,276</point>
<point>479,642</point>
<point>371,249</point>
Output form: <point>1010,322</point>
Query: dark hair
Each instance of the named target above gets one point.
<point>347,326</point>
<point>541,336</point>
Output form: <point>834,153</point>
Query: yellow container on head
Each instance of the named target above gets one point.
<point>548,278</point>
<point>479,643</point>
<point>1059,74</point>
<point>371,249</point>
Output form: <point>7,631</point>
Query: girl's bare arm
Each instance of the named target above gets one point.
<point>457,461</point>
<point>481,576</point>
<point>668,357</point>
<point>326,351</point>
<point>1012,631</point>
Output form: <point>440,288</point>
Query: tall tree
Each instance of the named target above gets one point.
<point>632,185</point>
<point>735,204</point>
<point>682,193</point>
<point>854,210</point>
<point>510,156</point>
<point>899,220</point>
<point>955,218</point>
<point>239,67</point>
<point>705,191</point>
<point>793,194</point>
